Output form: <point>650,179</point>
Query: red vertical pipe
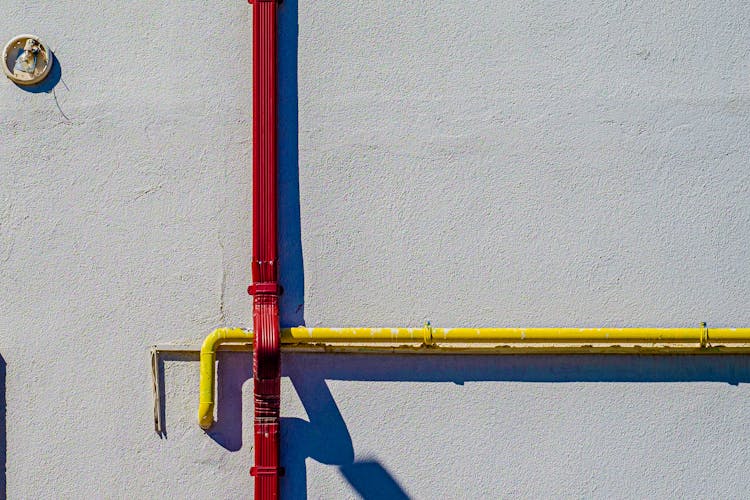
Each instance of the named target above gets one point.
<point>266,352</point>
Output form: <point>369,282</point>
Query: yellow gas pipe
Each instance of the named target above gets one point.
<point>429,335</point>
<point>499,340</point>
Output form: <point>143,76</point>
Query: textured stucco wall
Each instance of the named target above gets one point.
<point>472,163</point>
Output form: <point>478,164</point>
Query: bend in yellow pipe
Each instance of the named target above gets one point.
<point>208,358</point>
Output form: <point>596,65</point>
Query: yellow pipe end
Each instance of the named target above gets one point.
<point>205,415</point>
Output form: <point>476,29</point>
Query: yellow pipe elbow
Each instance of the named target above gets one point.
<point>207,374</point>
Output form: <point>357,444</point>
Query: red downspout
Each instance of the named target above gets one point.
<point>265,288</point>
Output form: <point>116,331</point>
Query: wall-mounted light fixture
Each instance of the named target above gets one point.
<point>26,60</point>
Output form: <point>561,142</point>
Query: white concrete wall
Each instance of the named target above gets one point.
<point>472,163</point>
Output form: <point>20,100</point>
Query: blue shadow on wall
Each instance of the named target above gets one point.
<point>560,368</point>
<point>326,439</point>
<point>49,83</point>
<point>233,370</point>
<point>325,436</point>
<point>291,267</point>
<point>3,429</point>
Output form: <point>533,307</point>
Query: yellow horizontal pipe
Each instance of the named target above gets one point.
<point>428,335</point>
<point>544,339</point>
<point>208,358</point>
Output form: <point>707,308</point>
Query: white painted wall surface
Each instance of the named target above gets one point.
<point>473,163</point>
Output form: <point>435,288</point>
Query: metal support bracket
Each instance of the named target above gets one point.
<point>265,287</point>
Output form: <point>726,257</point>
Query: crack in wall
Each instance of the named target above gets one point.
<point>222,315</point>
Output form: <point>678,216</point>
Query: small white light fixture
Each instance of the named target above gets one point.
<point>26,60</point>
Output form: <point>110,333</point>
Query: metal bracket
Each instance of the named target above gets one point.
<point>265,287</point>
<point>705,341</point>
<point>156,382</point>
